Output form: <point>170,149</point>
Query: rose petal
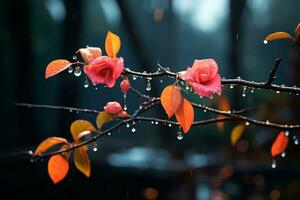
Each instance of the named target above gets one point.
<point>210,88</point>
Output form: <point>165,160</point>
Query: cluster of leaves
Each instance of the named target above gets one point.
<point>58,164</point>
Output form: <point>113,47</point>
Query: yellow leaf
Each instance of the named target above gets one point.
<point>112,44</point>
<point>236,133</point>
<point>297,31</point>
<point>79,126</point>
<point>58,167</point>
<point>56,67</point>
<point>170,99</point>
<point>277,36</point>
<point>103,118</point>
<point>48,143</point>
<point>82,161</point>
<point>185,115</point>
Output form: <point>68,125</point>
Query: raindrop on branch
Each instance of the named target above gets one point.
<point>148,87</point>
<point>77,71</point>
<point>273,164</point>
<point>247,123</point>
<point>127,125</point>
<point>287,133</point>
<point>133,130</point>
<point>134,77</point>
<point>265,42</point>
<point>283,154</point>
<point>70,70</point>
<point>179,134</point>
<point>170,125</point>
<point>74,57</point>
<point>86,84</point>
<point>125,101</point>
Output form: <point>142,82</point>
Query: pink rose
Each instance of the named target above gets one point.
<point>204,78</point>
<point>113,108</point>
<point>105,70</point>
<point>125,85</point>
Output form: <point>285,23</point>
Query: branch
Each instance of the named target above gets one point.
<point>272,73</point>
<point>238,81</point>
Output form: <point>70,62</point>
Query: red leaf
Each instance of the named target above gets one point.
<point>279,144</point>
<point>185,115</point>
<point>56,67</point>
<point>170,99</point>
<point>58,167</point>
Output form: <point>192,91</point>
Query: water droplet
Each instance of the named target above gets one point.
<point>156,122</point>
<point>231,86</point>
<point>277,92</point>
<point>238,77</point>
<point>133,130</point>
<point>204,110</point>
<point>287,133</point>
<point>140,107</point>
<point>30,152</point>
<point>265,42</point>
<point>70,70</point>
<point>152,122</point>
<point>125,101</point>
<point>77,71</point>
<point>296,141</point>
<point>252,90</point>
<point>267,122</point>
<point>187,87</point>
<point>283,154</point>
<point>273,164</point>
<point>109,133</point>
<point>86,84</point>
<point>148,87</point>
<point>134,77</point>
<point>179,135</point>
<point>31,160</point>
<point>95,149</point>
<point>71,110</point>
<point>247,123</point>
<point>161,81</point>
<point>127,125</point>
<point>244,93</point>
<point>170,125</point>
<point>245,88</point>
<point>74,57</point>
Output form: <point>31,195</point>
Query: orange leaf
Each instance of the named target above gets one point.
<point>223,105</point>
<point>112,44</point>
<point>236,133</point>
<point>170,99</point>
<point>277,36</point>
<point>56,67</point>
<point>79,126</point>
<point>279,144</point>
<point>48,143</point>
<point>297,31</point>
<point>82,161</point>
<point>90,53</point>
<point>58,167</point>
<point>185,115</point>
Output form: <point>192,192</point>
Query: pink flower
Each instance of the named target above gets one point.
<point>125,85</point>
<point>104,70</point>
<point>113,108</point>
<point>204,78</point>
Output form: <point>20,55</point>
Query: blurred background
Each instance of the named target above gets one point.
<point>150,163</point>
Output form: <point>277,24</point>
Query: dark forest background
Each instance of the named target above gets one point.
<point>150,163</point>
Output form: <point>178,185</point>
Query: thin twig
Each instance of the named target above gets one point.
<point>272,73</point>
